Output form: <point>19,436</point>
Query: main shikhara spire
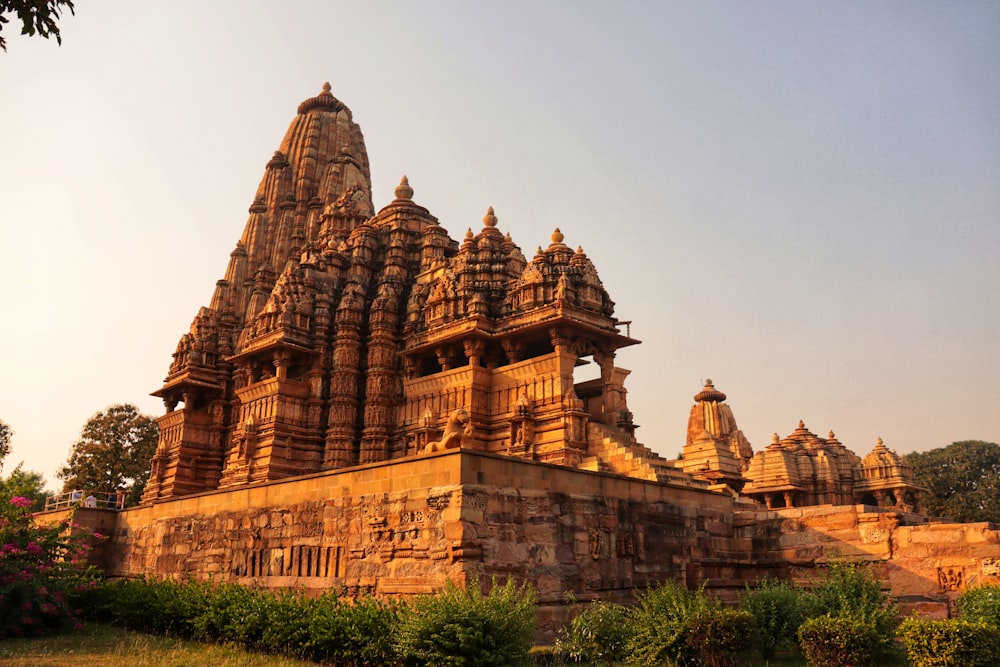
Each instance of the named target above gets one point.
<point>340,336</point>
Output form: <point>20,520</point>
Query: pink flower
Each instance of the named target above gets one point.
<point>20,501</point>
<point>34,549</point>
<point>99,536</point>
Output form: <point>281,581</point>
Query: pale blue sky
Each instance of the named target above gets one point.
<point>798,200</point>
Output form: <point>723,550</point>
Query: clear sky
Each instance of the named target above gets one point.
<point>799,200</point>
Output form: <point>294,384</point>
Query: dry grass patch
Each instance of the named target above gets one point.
<point>106,646</point>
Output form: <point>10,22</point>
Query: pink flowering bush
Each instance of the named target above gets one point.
<point>42,571</point>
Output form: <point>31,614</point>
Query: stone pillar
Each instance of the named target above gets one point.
<point>444,358</point>
<point>474,349</point>
<point>282,360</point>
<point>512,348</point>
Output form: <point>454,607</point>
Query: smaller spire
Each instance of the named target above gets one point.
<point>403,190</point>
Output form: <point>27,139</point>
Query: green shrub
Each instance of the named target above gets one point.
<point>851,619</point>
<point>850,588</point>
<point>659,625</point>
<point>838,641</point>
<point>167,606</point>
<point>599,634</point>
<point>233,614</point>
<point>352,634</point>
<point>721,637</point>
<point>951,643</point>
<point>980,603</point>
<point>776,607</point>
<point>463,628</point>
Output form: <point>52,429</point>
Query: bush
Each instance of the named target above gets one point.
<point>659,627</point>
<point>776,607</point>
<point>42,571</point>
<point>721,637</point>
<point>837,641</point>
<point>980,603</point>
<point>599,634</point>
<point>850,588</point>
<point>167,607</point>
<point>951,643</point>
<point>849,612</point>
<point>462,627</point>
<point>352,634</point>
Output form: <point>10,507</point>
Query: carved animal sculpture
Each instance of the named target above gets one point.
<point>459,427</point>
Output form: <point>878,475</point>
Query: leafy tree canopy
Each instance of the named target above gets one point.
<point>25,483</point>
<point>114,451</point>
<point>38,17</point>
<point>963,479</point>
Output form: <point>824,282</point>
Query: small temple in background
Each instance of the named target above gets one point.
<point>798,470</point>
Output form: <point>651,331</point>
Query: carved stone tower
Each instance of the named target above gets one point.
<point>339,337</point>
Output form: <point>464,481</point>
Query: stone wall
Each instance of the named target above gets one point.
<point>404,527</point>
<point>924,563</point>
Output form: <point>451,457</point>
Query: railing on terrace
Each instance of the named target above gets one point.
<point>103,500</point>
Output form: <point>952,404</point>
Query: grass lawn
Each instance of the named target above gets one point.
<point>106,646</point>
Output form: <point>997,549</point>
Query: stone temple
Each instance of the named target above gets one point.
<point>371,405</point>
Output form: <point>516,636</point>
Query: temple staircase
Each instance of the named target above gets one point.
<point>613,450</point>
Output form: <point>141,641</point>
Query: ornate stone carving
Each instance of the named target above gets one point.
<point>950,578</point>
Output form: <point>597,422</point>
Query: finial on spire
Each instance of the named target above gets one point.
<point>489,219</point>
<point>710,393</point>
<point>557,236</point>
<point>325,101</point>
<point>468,233</point>
<point>878,443</point>
<point>403,190</point>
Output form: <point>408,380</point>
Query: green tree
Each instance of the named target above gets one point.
<point>26,484</point>
<point>963,479</point>
<point>114,451</point>
<point>38,17</point>
<point>5,437</point>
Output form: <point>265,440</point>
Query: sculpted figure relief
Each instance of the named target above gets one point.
<point>458,428</point>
